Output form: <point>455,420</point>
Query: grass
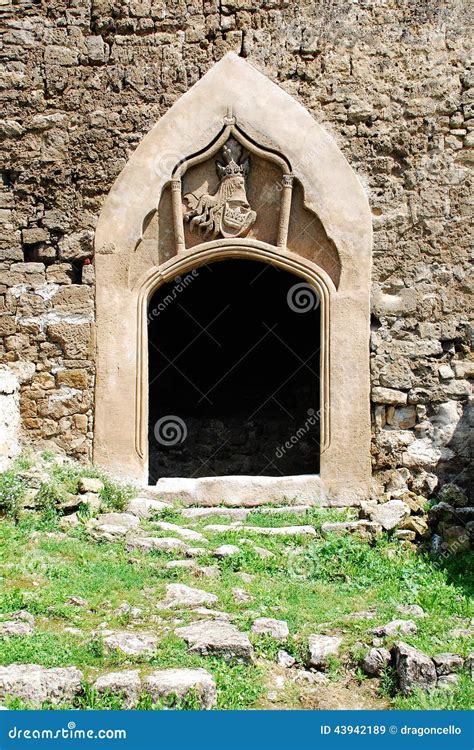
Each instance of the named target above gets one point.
<point>62,480</point>
<point>12,492</point>
<point>459,699</point>
<point>313,583</point>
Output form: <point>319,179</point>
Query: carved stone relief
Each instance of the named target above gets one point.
<point>227,213</point>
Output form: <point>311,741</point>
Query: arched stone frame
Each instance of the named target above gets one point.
<point>331,191</point>
<point>211,252</point>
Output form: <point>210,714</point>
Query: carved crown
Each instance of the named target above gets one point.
<point>234,163</point>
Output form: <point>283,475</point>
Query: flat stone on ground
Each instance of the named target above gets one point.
<point>217,637</point>
<point>127,683</point>
<point>180,595</point>
<point>411,609</point>
<point>196,551</point>
<point>144,507</point>
<point>163,544</point>
<point>264,530</point>
<point>388,515</point>
<point>176,684</point>
<point>226,550</point>
<point>364,529</point>
<point>278,629</point>
<point>131,643</point>
<point>12,628</point>
<point>127,520</point>
<point>188,564</point>
<point>396,627</point>
<point>263,553</point>
<point>213,614</point>
<point>112,526</point>
<point>241,596</point>
<point>34,684</point>
<point>235,514</point>
<point>194,536</point>
<point>241,490</point>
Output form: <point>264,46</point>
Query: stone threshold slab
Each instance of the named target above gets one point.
<point>245,491</point>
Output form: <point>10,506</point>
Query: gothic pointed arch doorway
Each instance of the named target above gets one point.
<point>237,169</point>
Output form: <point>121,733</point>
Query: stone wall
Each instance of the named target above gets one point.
<point>85,80</point>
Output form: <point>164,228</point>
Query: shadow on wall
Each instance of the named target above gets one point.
<point>455,464</point>
<point>451,518</point>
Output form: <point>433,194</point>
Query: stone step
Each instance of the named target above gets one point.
<point>243,491</point>
<point>264,530</point>
<point>240,514</point>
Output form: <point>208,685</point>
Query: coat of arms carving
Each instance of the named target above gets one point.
<point>227,213</point>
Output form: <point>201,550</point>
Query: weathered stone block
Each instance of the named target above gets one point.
<point>34,684</point>
<point>388,515</point>
<point>414,668</point>
<point>60,273</point>
<point>72,378</point>
<point>34,235</point>
<point>74,338</point>
<point>7,325</point>
<point>97,50</point>
<point>166,684</point>
<point>58,55</point>
<point>322,648</point>
<point>388,396</point>
<point>77,246</point>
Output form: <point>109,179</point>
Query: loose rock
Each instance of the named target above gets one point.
<point>145,507</point>
<point>13,628</point>
<point>34,684</point>
<point>321,647</point>
<point>164,544</point>
<point>131,643</point>
<point>216,637</point>
<point>411,609</point>
<point>176,684</point>
<point>388,515</point>
<point>396,627</point>
<point>414,668</point>
<point>278,629</point>
<point>90,484</point>
<point>226,550</point>
<point>241,596</point>
<point>180,595</point>
<point>189,534</point>
<point>376,661</point>
<point>448,663</point>
<point>126,683</point>
<point>285,659</point>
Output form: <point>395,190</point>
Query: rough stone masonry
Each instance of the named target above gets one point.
<point>83,81</point>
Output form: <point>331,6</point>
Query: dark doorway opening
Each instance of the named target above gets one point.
<point>234,360</point>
